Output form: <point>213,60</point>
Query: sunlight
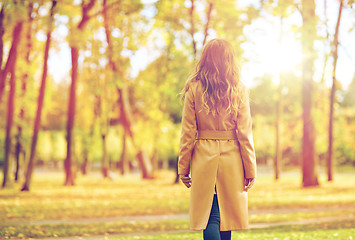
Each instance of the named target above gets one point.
<point>270,54</point>
<point>278,58</point>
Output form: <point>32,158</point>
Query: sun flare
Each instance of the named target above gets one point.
<point>280,56</point>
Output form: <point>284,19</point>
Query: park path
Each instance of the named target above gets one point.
<point>181,216</point>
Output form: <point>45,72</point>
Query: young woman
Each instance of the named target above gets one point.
<point>217,144</point>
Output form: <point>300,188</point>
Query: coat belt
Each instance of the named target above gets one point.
<point>217,134</point>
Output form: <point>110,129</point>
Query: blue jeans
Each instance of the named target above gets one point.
<point>212,230</point>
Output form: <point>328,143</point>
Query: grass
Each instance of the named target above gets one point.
<point>65,230</point>
<point>287,193</point>
<point>335,230</point>
<point>102,228</point>
<point>94,197</point>
<point>298,216</point>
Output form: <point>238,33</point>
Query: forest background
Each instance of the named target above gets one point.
<point>91,85</point>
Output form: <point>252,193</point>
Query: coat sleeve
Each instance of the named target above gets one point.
<point>188,133</point>
<point>245,136</point>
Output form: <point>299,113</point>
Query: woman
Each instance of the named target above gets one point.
<point>217,142</point>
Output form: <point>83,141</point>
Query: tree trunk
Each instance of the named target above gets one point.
<point>37,123</point>
<point>12,56</point>
<point>17,156</point>
<point>126,119</point>
<point>2,31</point>
<point>308,147</point>
<point>145,164</point>
<point>192,28</point>
<point>69,177</point>
<point>84,165</point>
<point>10,66</point>
<point>19,148</point>
<point>126,116</point>
<point>208,15</point>
<point>278,149</point>
<point>105,165</point>
<point>101,114</point>
<point>124,162</point>
<point>69,160</point>
<point>177,177</point>
<point>10,113</point>
<point>332,96</point>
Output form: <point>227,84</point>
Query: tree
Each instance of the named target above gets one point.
<point>89,102</point>
<point>125,111</point>
<point>74,48</point>
<point>192,29</point>
<point>19,148</point>
<point>308,149</point>
<point>278,148</point>
<point>332,95</point>
<point>278,124</point>
<point>37,123</point>
<point>10,68</point>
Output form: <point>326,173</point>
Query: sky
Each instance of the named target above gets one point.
<point>267,54</point>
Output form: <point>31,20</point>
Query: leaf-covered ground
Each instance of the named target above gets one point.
<point>94,197</point>
<point>128,196</point>
<point>334,230</point>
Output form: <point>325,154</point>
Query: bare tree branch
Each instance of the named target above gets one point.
<point>85,10</point>
<point>210,6</point>
<point>192,28</point>
<point>107,6</point>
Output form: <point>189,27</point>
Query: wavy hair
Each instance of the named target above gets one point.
<point>218,73</point>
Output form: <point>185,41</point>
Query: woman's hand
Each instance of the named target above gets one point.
<point>186,180</point>
<point>249,182</point>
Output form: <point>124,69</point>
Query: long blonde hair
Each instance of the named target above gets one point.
<point>219,75</point>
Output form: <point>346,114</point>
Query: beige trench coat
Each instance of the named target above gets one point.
<point>224,163</point>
